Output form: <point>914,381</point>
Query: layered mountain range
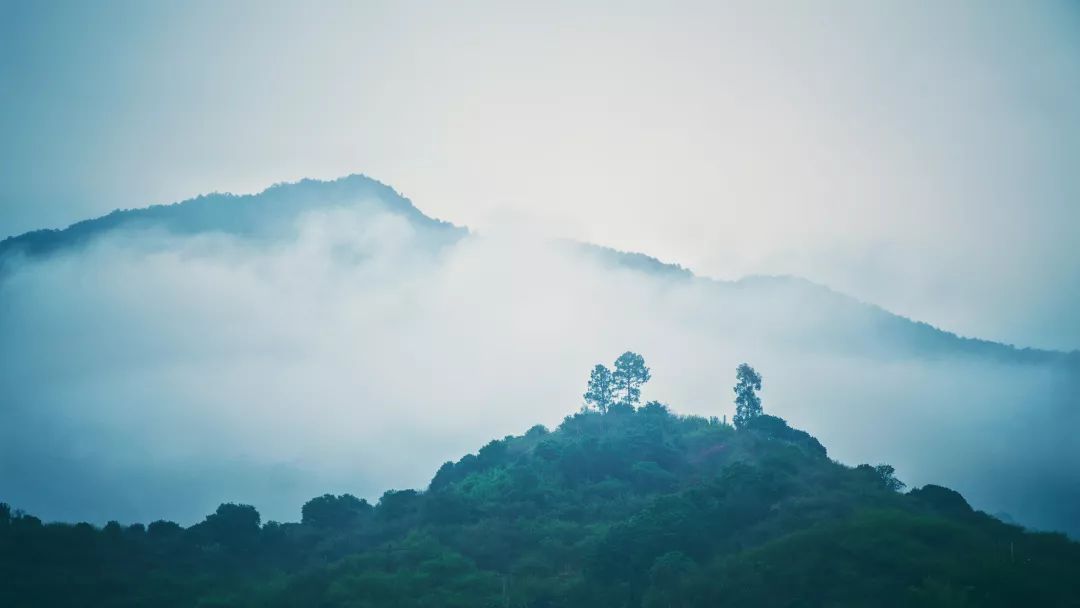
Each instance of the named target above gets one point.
<point>212,342</point>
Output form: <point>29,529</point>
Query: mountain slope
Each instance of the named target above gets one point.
<point>628,508</point>
<point>268,214</point>
<point>272,213</point>
<point>315,336</point>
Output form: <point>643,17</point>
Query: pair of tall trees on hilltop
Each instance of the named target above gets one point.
<point>623,387</point>
<point>619,387</point>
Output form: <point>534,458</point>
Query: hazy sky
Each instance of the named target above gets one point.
<point>921,155</point>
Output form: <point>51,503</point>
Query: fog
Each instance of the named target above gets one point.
<point>921,156</point>
<point>154,376</point>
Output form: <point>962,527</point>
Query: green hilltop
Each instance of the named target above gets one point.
<point>621,505</point>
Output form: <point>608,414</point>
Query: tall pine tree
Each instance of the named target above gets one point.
<point>630,373</point>
<point>601,391</point>
<point>747,403</point>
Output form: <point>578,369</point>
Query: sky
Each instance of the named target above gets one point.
<point>921,156</point>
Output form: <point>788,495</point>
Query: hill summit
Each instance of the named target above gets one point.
<point>621,505</point>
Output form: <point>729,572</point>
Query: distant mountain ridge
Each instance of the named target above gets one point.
<point>242,215</point>
<point>264,215</point>
<point>305,280</point>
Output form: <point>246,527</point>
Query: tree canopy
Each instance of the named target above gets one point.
<point>601,390</point>
<point>629,376</point>
<point>642,509</point>
<point>622,387</point>
<point>747,402</point>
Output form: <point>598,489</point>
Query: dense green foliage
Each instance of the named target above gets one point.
<point>747,403</point>
<point>629,375</point>
<point>626,507</point>
<point>601,391</point>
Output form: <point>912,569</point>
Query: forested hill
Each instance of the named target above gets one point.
<point>621,505</point>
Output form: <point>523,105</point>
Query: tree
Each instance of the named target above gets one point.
<point>163,529</point>
<point>234,526</point>
<point>747,403</point>
<point>630,373</point>
<point>883,474</point>
<point>600,392</point>
<point>888,477</point>
<point>329,511</point>
<point>396,504</point>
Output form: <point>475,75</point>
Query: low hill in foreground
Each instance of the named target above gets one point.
<point>628,508</point>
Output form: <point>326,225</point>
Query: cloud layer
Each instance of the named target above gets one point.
<point>152,375</point>
<point>919,157</point>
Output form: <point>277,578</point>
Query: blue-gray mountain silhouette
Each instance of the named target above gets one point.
<point>866,329</point>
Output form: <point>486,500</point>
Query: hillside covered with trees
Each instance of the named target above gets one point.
<point>624,504</point>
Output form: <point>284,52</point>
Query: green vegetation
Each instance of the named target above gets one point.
<point>619,506</point>
<point>747,403</point>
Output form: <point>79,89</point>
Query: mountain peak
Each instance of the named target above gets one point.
<point>249,215</point>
